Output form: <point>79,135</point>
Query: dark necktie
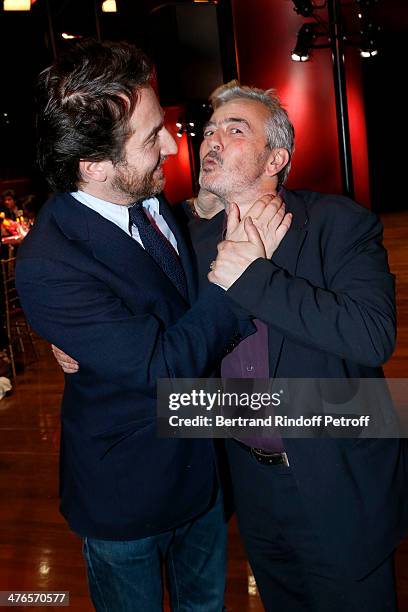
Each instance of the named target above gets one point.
<point>159,248</point>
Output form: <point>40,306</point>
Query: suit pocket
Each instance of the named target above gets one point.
<point>111,438</point>
<point>145,468</point>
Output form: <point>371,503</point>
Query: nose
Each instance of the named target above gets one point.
<point>214,141</point>
<point>169,145</point>
<point>211,143</point>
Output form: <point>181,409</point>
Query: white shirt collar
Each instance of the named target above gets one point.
<point>116,213</point>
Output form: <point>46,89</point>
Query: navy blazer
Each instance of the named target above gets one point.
<point>328,298</point>
<point>92,290</point>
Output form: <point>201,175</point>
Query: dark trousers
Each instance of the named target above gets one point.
<point>283,551</point>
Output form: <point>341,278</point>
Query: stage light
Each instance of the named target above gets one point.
<point>305,38</point>
<point>369,41</point>
<point>304,7</point>
<point>109,6</point>
<point>372,53</point>
<point>16,5</point>
<point>298,57</point>
<point>67,36</point>
<point>185,127</point>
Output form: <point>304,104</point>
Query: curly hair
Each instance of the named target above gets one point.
<point>85,100</point>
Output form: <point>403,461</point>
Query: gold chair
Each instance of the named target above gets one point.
<point>16,327</point>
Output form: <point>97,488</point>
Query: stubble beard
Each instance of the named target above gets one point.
<point>213,186</point>
<point>233,181</point>
<point>128,182</point>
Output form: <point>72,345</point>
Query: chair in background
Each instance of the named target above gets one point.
<point>17,329</point>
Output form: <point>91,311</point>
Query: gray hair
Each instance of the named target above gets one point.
<point>279,130</point>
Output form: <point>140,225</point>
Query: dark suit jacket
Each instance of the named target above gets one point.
<point>328,297</point>
<point>93,291</point>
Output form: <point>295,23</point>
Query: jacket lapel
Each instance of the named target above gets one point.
<point>287,256</point>
<point>111,246</point>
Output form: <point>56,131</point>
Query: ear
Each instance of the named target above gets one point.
<point>277,160</point>
<point>94,171</point>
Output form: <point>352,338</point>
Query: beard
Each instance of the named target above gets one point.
<point>130,183</point>
<point>225,181</point>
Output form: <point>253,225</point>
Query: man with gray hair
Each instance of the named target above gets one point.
<point>319,517</point>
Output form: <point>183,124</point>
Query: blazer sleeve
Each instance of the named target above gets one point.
<point>82,316</point>
<point>351,316</point>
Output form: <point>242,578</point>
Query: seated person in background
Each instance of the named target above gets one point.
<point>9,205</point>
<point>30,206</point>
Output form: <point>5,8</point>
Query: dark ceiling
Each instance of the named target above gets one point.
<point>27,43</point>
<point>26,47</point>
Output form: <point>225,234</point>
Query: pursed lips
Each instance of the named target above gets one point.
<point>210,161</point>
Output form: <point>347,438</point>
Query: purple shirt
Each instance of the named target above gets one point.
<point>250,359</point>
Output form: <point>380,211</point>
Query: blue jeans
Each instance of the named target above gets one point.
<point>127,576</point>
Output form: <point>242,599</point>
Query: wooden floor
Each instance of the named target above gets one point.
<point>37,551</point>
<point>396,242</point>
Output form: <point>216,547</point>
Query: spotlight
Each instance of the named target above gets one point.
<point>185,127</point>
<point>16,5</point>
<point>109,6</point>
<point>304,7</point>
<point>369,41</point>
<point>372,53</point>
<point>305,38</point>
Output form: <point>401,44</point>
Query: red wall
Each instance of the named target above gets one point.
<point>265,33</point>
